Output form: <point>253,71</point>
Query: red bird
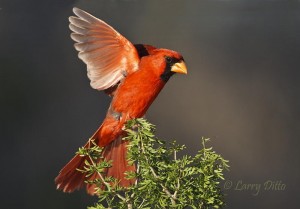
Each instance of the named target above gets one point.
<point>133,75</point>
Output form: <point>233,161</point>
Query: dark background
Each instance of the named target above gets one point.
<point>242,91</point>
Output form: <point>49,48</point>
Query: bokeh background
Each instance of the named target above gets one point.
<point>242,91</point>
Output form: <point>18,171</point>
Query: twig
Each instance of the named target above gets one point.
<point>108,186</point>
<point>165,189</point>
<point>142,203</point>
<point>175,155</point>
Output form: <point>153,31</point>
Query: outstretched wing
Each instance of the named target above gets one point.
<point>108,55</point>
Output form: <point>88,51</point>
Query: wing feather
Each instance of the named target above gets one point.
<point>108,55</point>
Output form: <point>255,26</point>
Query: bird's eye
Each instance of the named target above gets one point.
<point>168,59</point>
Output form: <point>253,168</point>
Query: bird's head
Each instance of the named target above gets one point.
<point>165,63</point>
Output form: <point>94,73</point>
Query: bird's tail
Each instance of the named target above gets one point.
<point>70,179</point>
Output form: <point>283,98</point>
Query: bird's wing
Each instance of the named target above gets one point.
<point>108,55</point>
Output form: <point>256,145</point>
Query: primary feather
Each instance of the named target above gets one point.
<point>108,55</point>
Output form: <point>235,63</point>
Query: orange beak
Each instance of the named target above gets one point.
<point>179,67</point>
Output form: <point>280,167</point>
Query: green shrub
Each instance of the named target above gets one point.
<point>163,180</point>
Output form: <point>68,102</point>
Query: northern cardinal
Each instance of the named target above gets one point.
<point>133,75</point>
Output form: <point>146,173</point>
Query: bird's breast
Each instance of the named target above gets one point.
<point>136,94</point>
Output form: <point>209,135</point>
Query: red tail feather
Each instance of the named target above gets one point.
<point>70,179</point>
<point>116,152</point>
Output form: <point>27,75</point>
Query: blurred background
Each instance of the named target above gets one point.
<point>242,91</point>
